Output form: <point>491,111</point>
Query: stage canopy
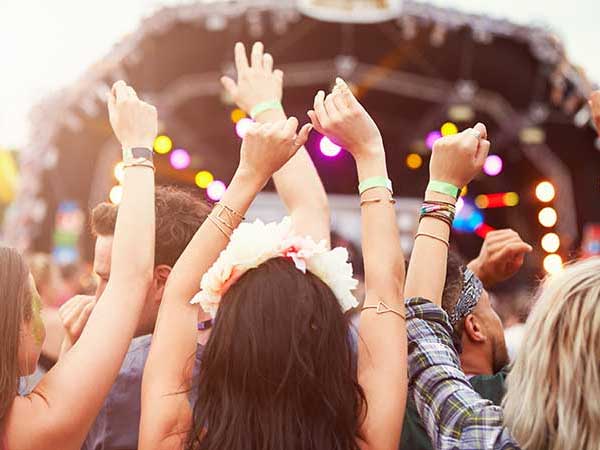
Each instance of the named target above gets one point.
<point>414,66</point>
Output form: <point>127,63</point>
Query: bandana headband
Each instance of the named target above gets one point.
<point>468,298</point>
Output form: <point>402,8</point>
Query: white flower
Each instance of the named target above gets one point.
<point>255,243</point>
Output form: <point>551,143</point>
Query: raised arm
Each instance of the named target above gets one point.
<point>258,91</point>
<point>166,414</point>
<point>382,362</point>
<point>63,406</point>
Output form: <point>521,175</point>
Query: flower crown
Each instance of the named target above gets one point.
<point>255,243</point>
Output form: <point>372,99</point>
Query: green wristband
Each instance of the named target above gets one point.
<point>375,182</point>
<point>265,106</point>
<point>441,187</point>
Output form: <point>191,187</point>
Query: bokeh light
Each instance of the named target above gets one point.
<point>511,199</point>
<point>116,194</point>
<point>545,191</point>
<point>482,201</point>
<point>548,217</point>
<point>242,127</point>
<point>460,203</point>
<point>449,129</point>
<point>237,115</point>
<point>215,190</point>
<point>414,161</point>
<point>550,242</point>
<point>329,148</point>
<point>493,165</point>
<point>180,159</point>
<point>431,138</point>
<point>203,179</point>
<point>163,144</point>
<point>553,263</point>
<point>119,171</point>
<point>468,218</point>
<point>464,191</point>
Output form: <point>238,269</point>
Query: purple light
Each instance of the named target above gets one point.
<point>242,127</point>
<point>493,165</point>
<point>180,159</point>
<point>460,204</point>
<point>215,190</point>
<point>328,148</point>
<point>431,138</point>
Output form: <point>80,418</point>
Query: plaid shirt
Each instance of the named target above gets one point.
<point>455,416</point>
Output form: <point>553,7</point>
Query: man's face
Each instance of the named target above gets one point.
<point>493,329</point>
<point>102,266</point>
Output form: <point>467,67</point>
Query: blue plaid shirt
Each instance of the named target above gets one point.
<point>455,416</point>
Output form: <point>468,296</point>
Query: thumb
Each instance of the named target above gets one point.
<point>229,85</point>
<point>303,136</point>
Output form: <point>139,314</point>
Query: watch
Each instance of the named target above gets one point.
<point>136,155</point>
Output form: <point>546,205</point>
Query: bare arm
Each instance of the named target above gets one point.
<point>69,397</point>
<point>166,414</point>
<point>297,182</point>
<point>455,160</point>
<point>382,352</point>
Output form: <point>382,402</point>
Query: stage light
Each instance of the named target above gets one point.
<point>493,165</point>
<point>550,242</point>
<point>414,161</point>
<point>532,135</point>
<point>464,191</point>
<point>545,191</point>
<point>468,219</point>
<point>431,138</point>
<point>119,171</point>
<point>498,200</point>
<point>116,194</point>
<point>548,217</point>
<point>483,230</point>
<point>461,113</point>
<point>180,159</point>
<point>329,148</point>
<point>242,127</point>
<point>449,129</point>
<point>460,203</point>
<point>553,263</point>
<point>237,115</point>
<point>163,144</point>
<point>215,190</point>
<point>203,179</point>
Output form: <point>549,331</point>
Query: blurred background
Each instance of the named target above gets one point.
<point>423,69</point>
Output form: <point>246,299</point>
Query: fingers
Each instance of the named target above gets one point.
<point>120,92</point>
<point>290,126</point>
<point>315,121</point>
<point>82,319</point>
<point>346,93</point>
<point>131,93</point>
<point>339,101</point>
<point>303,135</point>
<point>319,108</point>
<point>279,75</point>
<point>332,111</point>
<point>480,127</point>
<point>229,85</point>
<point>241,60</point>
<point>267,62</point>
<point>257,55</point>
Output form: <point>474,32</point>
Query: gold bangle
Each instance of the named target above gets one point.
<point>226,216</point>
<point>432,236</point>
<point>439,216</point>
<point>216,224</point>
<point>231,210</point>
<point>382,308</point>
<point>377,200</point>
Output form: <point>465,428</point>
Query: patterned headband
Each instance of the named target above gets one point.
<point>468,298</point>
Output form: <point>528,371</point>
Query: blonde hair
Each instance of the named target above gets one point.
<point>553,390</point>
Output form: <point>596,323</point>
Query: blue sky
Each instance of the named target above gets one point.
<point>45,45</point>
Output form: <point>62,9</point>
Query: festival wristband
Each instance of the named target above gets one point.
<point>441,187</point>
<point>265,106</point>
<point>375,182</point>
<point>137,154</point>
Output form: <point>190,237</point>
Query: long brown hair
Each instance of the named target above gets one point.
<point>15,308</point>
<point>278,372</point>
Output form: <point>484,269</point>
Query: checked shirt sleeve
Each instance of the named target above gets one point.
<point>455,416</point>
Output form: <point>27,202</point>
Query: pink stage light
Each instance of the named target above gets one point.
<point>328,148</point>
<point>242,127</point>
<point>431,138</point>
<point>215,190</point>
<point>493,165</point>
<point>180,159</point>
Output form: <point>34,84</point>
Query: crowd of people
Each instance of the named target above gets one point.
<point>209,332</point>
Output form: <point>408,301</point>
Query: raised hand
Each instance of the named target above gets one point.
<point>134,122</point>
<point>267,147</point>
<point>595,106</point>
<point>501,256</point>
<point>74,315</point>
<point>343,119</point>
<point>458,158</point>
<point>257,82</point>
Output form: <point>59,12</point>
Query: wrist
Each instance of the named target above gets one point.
<point>439,197</point>
<point>250,179</point>
<point>477,267</point>
<point>272,115</point>
<point>373,165</point>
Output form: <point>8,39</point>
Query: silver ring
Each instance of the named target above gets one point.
<point>475,133</point>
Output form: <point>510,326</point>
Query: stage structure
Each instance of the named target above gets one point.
<point>422,71</point>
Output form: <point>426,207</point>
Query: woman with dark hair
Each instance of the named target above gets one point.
<point>59,411</point>
<point>277,371</point>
